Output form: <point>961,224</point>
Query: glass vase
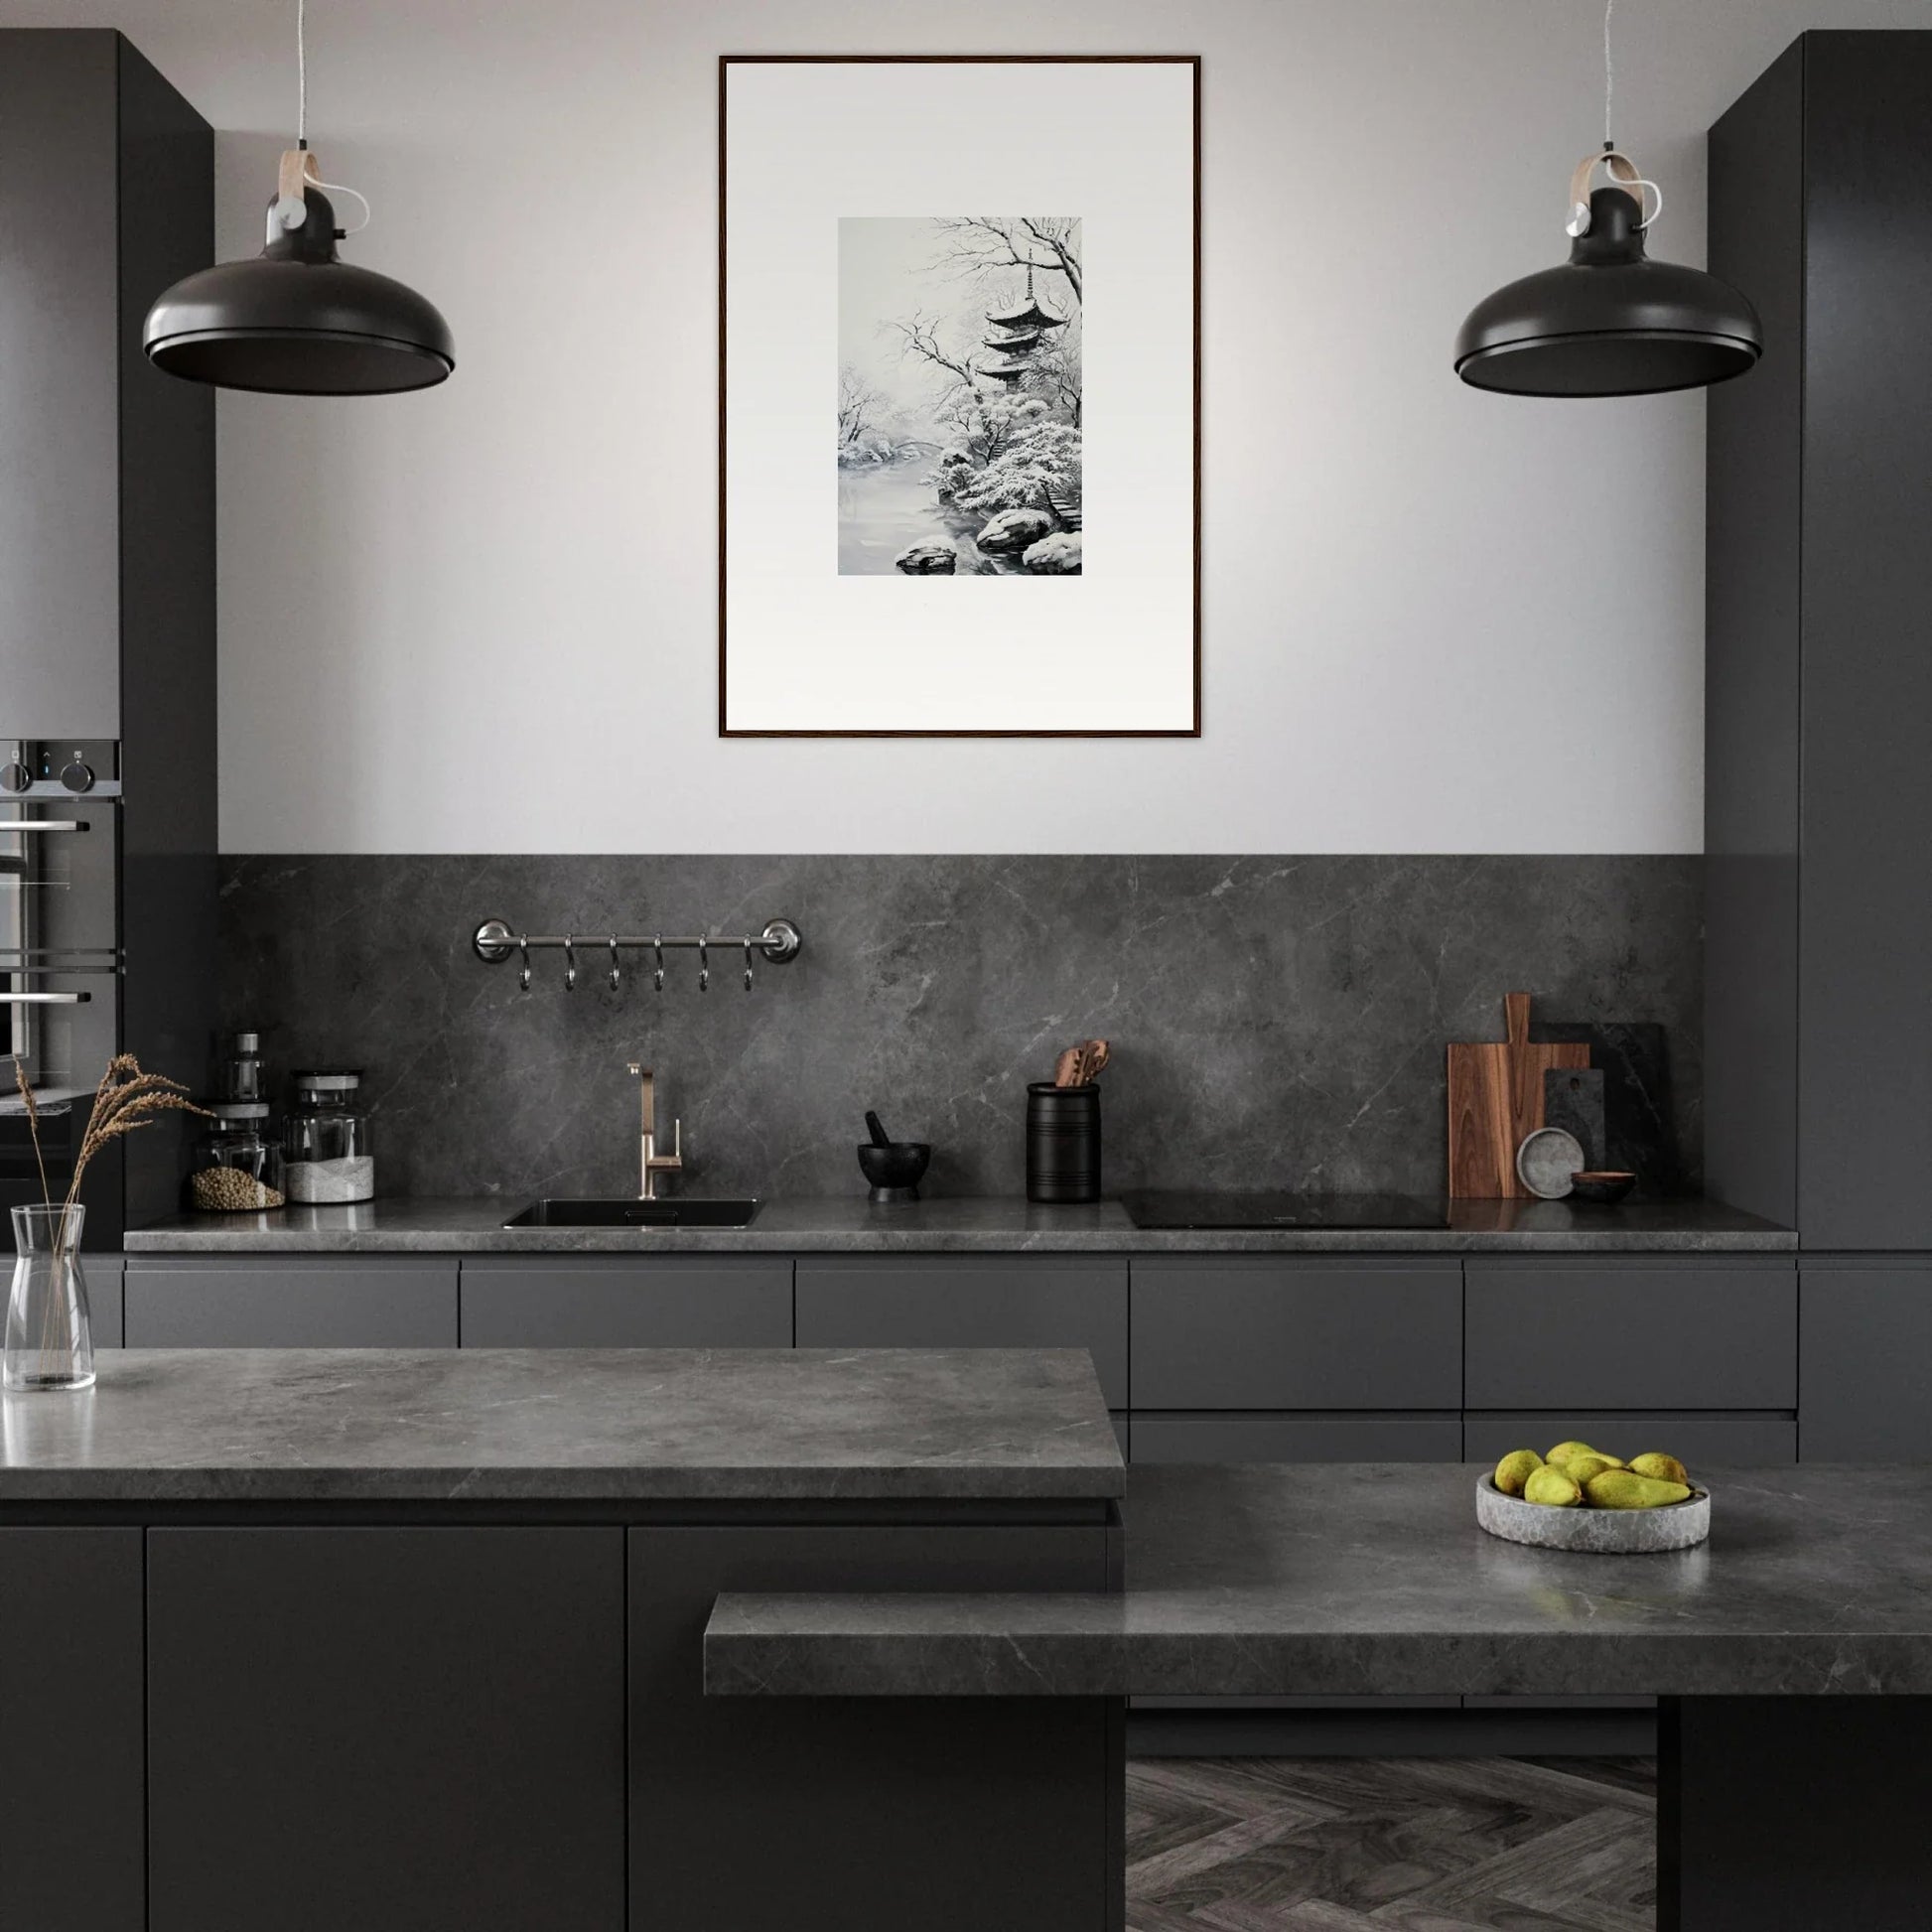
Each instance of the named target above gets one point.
<point>50,1338</point>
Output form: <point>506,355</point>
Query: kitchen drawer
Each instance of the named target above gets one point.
<point>1297,1438</point>
<point>1254,1332</point>
<point>1719,1441</point>
<point>299,1302</point>
<point>956,1302</point>
<point>1867,1387</point>
<point>686,1301</point>
<point>103,1272</point>
<point>1123,1433</point>
<point>1561,1335</point>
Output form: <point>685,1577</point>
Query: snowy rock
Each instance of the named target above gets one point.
<point>1054,556</point>
<point>1014,529</point>
<point>928,560</point>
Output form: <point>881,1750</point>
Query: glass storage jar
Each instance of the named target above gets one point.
<point>326,1139</point>
<point>237,1165</point>
<point>238,1070</point>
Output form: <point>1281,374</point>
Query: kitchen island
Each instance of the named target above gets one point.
<point>1793,1651</point>
<point>412,1639</point>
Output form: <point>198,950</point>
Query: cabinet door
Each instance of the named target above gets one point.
<point>1867,1391</point>
<point>386,1729</point>
<point>950,1302</point>
<point>1297,1438</point>
<point>687,1301</point>
<point>1271,1332</point>
<point>72,1776</point>
<point>1553,1333</point>
<point>863,1814</point>
<point>1735,1441</point>
<point>306,1302</point>
<point>60,389</point>
<point>103,1272</point>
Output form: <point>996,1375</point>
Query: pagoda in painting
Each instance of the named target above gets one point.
<point>1021,332</point>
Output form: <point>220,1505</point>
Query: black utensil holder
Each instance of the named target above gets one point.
<point>1062,1143</point>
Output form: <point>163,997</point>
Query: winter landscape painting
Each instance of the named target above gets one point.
<point>876,252</point>
<point>959,397</point>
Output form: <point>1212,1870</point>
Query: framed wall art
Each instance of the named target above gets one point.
<point>959,396</point>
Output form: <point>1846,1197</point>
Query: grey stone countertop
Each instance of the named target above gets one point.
<point>299,1425</point>
<point>1373,1580</point>
<point>960,1225</point>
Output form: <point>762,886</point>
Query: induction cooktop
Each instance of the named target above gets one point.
<point>1191,1209</point>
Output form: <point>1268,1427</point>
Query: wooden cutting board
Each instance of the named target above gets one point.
<point>1495,1100</point>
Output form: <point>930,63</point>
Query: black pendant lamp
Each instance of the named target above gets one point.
<point>1610,322</point>
<point>298,319</point>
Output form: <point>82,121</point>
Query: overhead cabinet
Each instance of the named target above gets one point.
<point>107,536</point>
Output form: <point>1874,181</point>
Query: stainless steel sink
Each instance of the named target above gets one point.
<point>634,1213</point>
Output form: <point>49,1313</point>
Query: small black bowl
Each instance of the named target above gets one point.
<point>1604,1186</point>
<point>895,1170</point>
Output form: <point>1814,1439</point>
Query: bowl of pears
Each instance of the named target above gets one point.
<point>1583,1498</point>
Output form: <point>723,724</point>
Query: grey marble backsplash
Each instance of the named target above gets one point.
<point>1276,1021</point>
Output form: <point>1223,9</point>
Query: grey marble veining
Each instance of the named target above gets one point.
<point>472,1426</point>
<point>1374,1580</point>
<point>961,1224</point>
<point>1276,1021</point>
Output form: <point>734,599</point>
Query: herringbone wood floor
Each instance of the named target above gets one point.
<point>1391,1845</point>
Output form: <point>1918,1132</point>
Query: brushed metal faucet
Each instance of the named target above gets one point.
<point>650,1164</point>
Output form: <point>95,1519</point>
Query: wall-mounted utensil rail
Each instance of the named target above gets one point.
<point>494,941</point>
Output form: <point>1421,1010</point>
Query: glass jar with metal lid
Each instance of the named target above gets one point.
<point>235,1165</point>
<point>326,1139</point>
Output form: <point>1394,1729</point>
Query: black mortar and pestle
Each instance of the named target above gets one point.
<point>892,1166</point>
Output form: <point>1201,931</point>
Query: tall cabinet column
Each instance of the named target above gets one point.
<point>1819,716</point>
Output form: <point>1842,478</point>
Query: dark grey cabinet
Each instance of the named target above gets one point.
<point>71,1742</point>
<point>1011,1788</point>
<point>276,1302</point>
<point>1297,1438</point>
<point>104,1274</point>
<point>683,1302</point>
<point>960,1302</point>
<point>398,1730</point>
<point>1706,1440</point>
<point>1867,1356</point>
<point>1268,1332</point>
<point>1818,1047</point>
<point>1547,1332</point>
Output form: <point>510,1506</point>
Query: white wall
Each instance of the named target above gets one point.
<point>482,619</point>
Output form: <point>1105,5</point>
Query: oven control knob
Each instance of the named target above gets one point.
<point>77,777</point>
<point>15,776</point>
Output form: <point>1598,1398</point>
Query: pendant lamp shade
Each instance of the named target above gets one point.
<point>299,320</point>
<point>1610,322</point>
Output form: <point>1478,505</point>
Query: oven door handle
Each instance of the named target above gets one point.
<point>44,999</point>
<point>43,825</point>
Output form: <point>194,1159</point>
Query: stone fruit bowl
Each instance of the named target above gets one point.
<point>1601,1532</point>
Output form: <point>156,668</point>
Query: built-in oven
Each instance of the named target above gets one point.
<point>61,956</point>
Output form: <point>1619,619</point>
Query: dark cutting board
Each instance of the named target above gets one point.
<point>1639,1124</point>
<point>1495,1101</point>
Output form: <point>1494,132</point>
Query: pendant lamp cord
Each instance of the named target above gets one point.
<point>1610,74</point>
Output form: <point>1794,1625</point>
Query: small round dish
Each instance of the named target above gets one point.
<point>1547,1159</point>
<point>1605,1187</point>
<point>1594,1532</point>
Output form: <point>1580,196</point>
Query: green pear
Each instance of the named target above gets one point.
<point>1579,1468</point>
<point>1623,1489</point>
<point>1666,1469</point>
<point>1515,1469</point>
<point>1550,1485</point>
<point>1565,1450</point>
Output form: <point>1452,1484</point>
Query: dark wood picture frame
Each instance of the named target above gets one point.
<point>727,61</point>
